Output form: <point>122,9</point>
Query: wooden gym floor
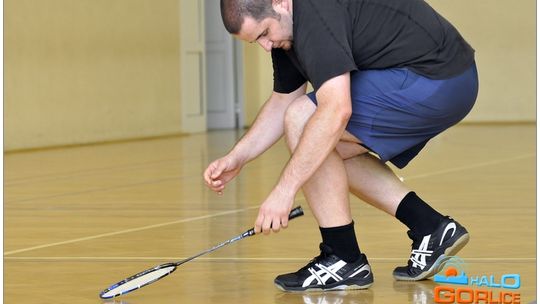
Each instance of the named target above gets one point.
<point>78,219</point>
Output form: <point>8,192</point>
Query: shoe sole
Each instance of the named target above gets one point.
<point>439,263</point>
<point>339,287</point>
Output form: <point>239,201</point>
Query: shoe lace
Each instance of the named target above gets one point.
<point>325,251</point>
<point>418,252</point>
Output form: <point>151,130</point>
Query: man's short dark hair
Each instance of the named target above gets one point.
<point>233,12</point>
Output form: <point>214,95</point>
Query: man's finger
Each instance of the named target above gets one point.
<point>276,225</point>
<point>210,172</point>
<point>206,176</point>
<point>258,223</point>
<point>285,222</point>
<point>214,187</point>
<point>220,167</point>
<point>267,222</point>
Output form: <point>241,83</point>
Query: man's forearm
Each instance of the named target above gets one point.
<point>267,128</point>
<point>263,133</point>
<point>320,136</point>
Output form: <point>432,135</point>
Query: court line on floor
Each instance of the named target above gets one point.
<point>467,167</point>
<point>241,210</point>
<point>191,219</point>
<point>181,177</point>
<point>95,190</point>
<point>239,259</point>
<point>86,172</point>
<point>105,189</point>
<point>76,173</point>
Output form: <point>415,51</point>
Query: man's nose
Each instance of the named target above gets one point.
<point>266,44</point>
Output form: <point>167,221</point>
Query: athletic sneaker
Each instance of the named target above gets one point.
<point>430,252</point>
<point>328,272</point>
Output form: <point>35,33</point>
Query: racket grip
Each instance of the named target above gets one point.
<point>296,212</point>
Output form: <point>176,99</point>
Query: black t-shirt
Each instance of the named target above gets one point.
<point>332,37</point>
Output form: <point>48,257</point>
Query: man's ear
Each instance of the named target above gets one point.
<point>283,4</point>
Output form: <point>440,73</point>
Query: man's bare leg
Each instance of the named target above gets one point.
<point>327,191</point>
<point>371,180</point>
<point>375,183</point>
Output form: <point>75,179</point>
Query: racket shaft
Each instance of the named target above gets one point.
<point>136,281</point>
<point>296,212</point>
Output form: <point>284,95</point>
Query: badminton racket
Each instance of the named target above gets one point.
<point>154,274</point>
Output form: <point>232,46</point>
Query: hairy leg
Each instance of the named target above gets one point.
<point>375,183</point>
<point>327,190</point>
<point>366,176</point>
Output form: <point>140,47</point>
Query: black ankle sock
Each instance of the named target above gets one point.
<point>418,215</point>
<point>342,240</point>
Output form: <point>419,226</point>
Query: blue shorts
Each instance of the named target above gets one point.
<point>396,111</point>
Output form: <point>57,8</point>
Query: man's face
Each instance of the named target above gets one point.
<point>270,32</point>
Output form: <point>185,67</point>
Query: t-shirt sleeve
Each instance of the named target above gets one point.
<point>287,78</point>
<point>323,40</point>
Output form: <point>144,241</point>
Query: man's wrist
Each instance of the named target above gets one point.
<point>239,156</point>
<point>288,186</point>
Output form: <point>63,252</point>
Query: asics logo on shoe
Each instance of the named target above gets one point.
<point>448,227</point>
<point>418,256</point>
<point>323,273</point>
<point>364,267</point>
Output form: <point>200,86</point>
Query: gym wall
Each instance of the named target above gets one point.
<point>90,71</point>
<point>99,70</point>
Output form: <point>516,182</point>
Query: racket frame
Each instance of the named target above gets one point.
<point>294,213</point>
<point>138,275</point>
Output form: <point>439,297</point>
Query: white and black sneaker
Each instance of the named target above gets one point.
<point>328,272</point>
<point>430,252</point>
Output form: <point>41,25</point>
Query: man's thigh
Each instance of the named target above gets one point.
<point>396,111</point>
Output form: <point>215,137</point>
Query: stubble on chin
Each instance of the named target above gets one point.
<point>287,46</point>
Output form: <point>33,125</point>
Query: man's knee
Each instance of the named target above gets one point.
<point>348,150</point>
<point>298,113</point>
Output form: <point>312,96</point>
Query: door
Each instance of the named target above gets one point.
<point>223,81</point>
<point>192,62</point>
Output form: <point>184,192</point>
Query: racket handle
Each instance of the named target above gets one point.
<point>296,212</point>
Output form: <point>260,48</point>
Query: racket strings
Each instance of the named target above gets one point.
<point>137,281</point>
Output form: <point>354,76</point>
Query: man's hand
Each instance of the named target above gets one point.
<point>220,172</point>
<point>274,211</point>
